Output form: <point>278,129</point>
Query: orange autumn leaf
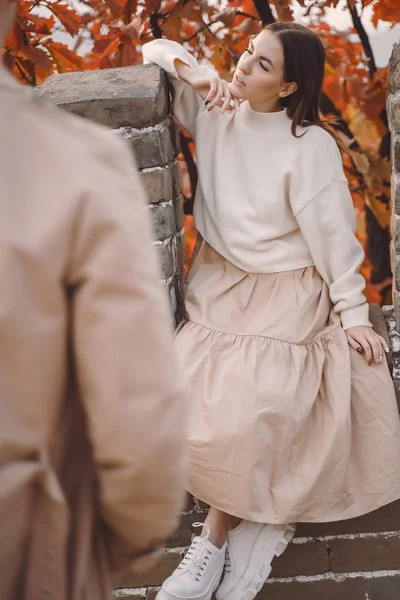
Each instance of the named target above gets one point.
<point>113,31</point>
<point>65,59</point>
<point>66,15</point>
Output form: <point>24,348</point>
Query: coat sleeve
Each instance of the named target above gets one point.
<point>187,103</point>
<point>124,358</point>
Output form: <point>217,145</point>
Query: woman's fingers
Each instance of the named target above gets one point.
<point>384,343</point>
<point>366,341</point>
<point>220,95</point>
<point>213,90</point>
<point>217,101</point>
<point>367,350</point>
<point>354,344</point>
<point>362,346</point>
<point>227,104</point>
<point>376,346</point>
<point>372,345</point>
<point>235,99</point>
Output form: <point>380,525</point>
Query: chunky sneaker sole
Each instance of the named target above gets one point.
<point>200,572</point>
<point>271,542</point>
<point>164,595</point>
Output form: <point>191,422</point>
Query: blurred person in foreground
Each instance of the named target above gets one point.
<point>91,436</point>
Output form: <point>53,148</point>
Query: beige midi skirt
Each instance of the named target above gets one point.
<point>287,422</point>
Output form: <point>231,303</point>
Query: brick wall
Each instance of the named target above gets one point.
<point>135,103</point>
<point>394,125</point>
<point>350,560</point>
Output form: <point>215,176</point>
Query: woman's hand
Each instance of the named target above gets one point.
<point>213,90</point>
<point>367,342</point>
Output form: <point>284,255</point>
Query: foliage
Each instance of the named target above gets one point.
<point>354,90</point>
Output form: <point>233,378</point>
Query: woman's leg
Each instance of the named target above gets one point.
<point>220,524</point>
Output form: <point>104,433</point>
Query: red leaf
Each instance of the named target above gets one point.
<point>154,5</point>
<point>38,56</point>
<point>65,59</point>
<point>68,17</point>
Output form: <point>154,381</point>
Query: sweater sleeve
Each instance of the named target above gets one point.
<point>187,103</point>
<point>328,225</point>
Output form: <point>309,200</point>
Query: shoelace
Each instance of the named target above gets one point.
<point>198,555</point>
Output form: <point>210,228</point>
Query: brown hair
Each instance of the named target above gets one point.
<point>304,57</point>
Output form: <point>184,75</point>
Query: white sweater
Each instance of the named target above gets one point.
<point>268,201</point>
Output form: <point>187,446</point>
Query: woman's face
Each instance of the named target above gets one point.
<point>259,75</point>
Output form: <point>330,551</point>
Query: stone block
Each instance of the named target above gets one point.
<point>166,257</point>
<point>123,97</point>
<point>129,594</point>
<point>173,296</point>
<point>395,262</point>
<point>164,220</point>
<point>393,111</point>
<point>395,189</point>
<point>395,152</point>
<point>162,184</point>
<point>177,179</point>
<point>394,337</point>
<point>394,70</point>
<point>310,558</point>
<point>365,554</point>
<point>180,250</point>
<point>383,588</point>
<point>323,589</point>
<point>179,216</point>
<point>159,183</point>
<point>396,306</point>
<point>395,230</point>
<point>153,146</point>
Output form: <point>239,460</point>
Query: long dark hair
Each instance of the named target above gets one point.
<point>304,56</point>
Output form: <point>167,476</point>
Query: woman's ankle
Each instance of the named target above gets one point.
<point>220,524</point>
<point>217,537</point>
<point>235,522</point>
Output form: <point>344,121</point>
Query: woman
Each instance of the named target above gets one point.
<point>294,416</point>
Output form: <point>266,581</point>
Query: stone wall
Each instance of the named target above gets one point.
<point>350,560</point>
<point>393,106</point>
<point>135,103</point>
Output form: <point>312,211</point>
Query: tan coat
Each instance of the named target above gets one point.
<point>91,436</point>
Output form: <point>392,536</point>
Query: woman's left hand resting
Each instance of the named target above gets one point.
<point>366,341</point>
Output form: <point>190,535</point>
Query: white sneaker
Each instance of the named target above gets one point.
<point>200,572</point>
<point>251,548</point>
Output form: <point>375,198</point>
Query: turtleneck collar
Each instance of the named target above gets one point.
<point>262,119</point>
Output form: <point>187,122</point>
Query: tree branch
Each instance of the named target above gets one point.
<point>154,25</point>
<point>264,10</point>
<point>362,34</point>
<point>210,31</point>
<point>328,107</point>
<point>192,171</point>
